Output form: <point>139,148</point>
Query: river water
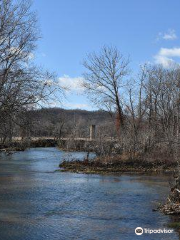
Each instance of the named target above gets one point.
<point>39,203</point>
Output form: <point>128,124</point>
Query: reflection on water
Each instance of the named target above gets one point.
<point>39,203</point>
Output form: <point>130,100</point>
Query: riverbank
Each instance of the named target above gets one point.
<point>65,144</point>
<point>172,204</point>
<point>19,144</point>
<point>13,147</point>
<point>116,165</point>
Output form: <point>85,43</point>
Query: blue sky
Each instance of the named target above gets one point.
<point>145,30</point>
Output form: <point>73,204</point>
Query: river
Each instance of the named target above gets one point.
<point>39,203</point>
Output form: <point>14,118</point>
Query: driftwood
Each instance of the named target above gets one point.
<point>172,205</point>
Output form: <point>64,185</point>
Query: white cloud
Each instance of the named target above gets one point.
<point>169,35</point>
<point>74,84</point>
<point>164,61</point>
<point>165,55</point>
<point>170,52</point>
<point>54,104</point>
<point>77,106</point>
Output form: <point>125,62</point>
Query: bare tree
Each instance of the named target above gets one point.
<point>22,84</point>
<point>104,79</point>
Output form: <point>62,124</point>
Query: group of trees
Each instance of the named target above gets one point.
<point>23,85</point>
<point>147,107</point>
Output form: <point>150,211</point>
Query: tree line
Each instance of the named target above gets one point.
<point>143,111</point>
<point>147,106</point>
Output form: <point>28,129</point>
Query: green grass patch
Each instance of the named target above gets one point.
<point>174,225</point>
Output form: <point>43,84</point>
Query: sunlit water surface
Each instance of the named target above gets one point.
<point>39,203</point>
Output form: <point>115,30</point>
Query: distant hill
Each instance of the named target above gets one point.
<point>58,121</point>
<point>95,117</point>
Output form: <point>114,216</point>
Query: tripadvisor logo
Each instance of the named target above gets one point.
<point>139,231</point>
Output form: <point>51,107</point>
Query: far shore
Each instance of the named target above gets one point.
<point>19,144</point>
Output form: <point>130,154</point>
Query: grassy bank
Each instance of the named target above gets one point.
<point>116,165</point>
